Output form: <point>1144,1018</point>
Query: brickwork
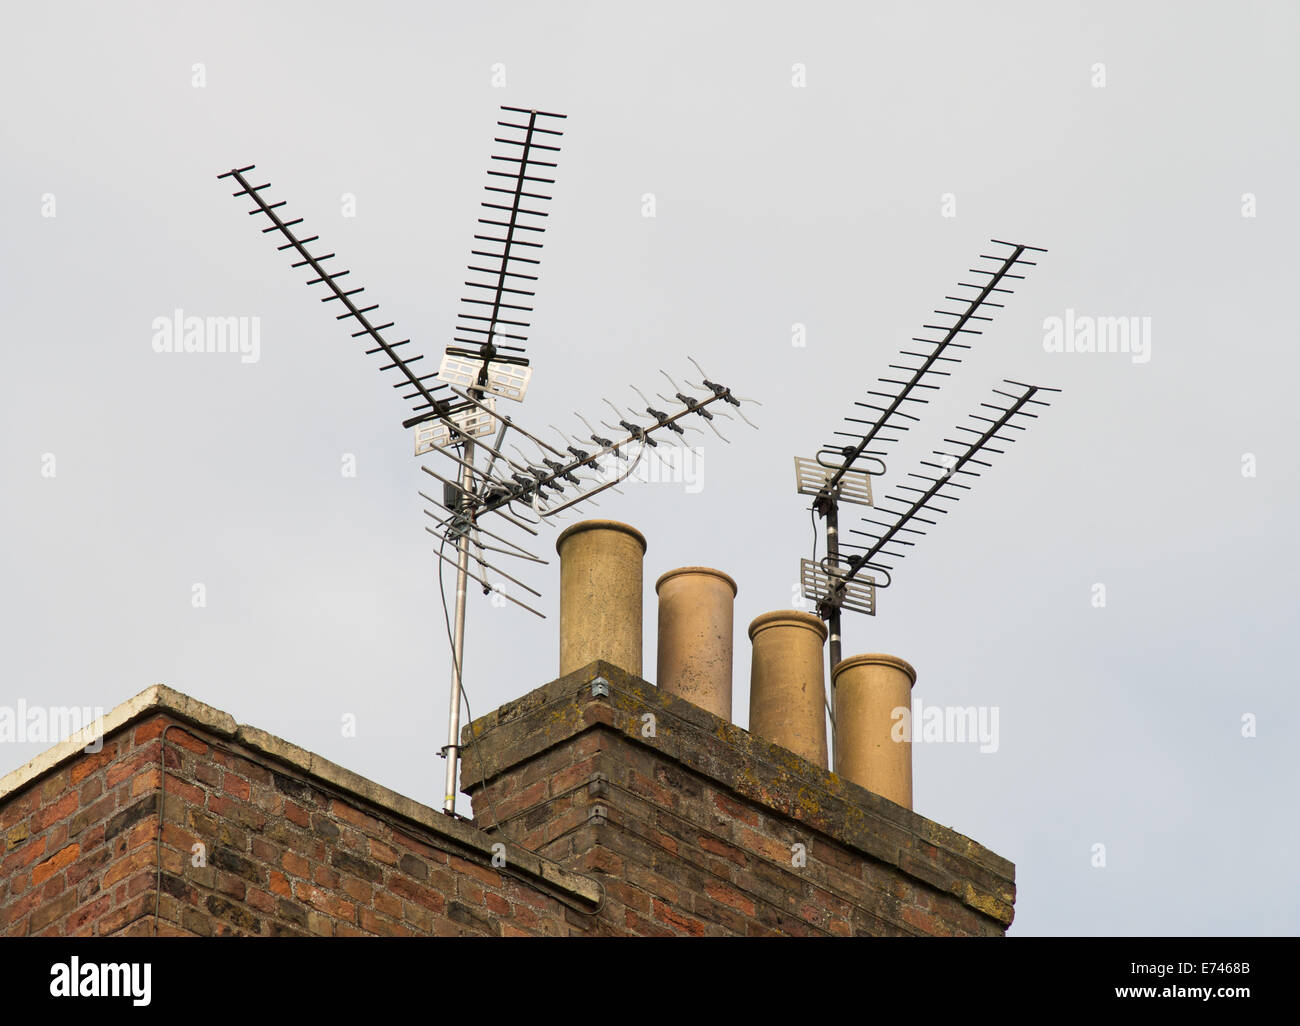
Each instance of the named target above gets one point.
<point>697,827</point>
<point>622,812</point>
<point>249,846</point>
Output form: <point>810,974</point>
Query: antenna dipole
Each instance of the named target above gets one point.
<point>842,473</point>
<point>850,454</point>
<point>488,362</point>
<point>455,415</point>
<point>494,368</point>
<point>526,490</point>
<point>950,465</point>
<point>428,402</point>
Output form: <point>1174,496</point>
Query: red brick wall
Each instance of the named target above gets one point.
<point>284,855</point>
<point>685,857</point>
<point>75,846</point>
<point>694,829</point>
<point>698,828</point>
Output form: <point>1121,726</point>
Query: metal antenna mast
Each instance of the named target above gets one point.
<point>841,472</point>
<point>455,415</point>
<point>490,367</point>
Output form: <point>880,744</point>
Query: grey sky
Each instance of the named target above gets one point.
<point>775,205</point>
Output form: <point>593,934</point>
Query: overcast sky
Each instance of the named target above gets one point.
<point>1150,147</point>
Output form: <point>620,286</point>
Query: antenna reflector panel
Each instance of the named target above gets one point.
<point>472,421</point>
<point>508,380</point>
<point>812,478</point>
<point>858,594</point>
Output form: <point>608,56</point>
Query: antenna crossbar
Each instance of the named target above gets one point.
<point>433,406</point>
<point>504,308</point>
<point>845,457</point>
<point>953,465</point>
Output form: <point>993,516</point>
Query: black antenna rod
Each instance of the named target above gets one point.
<point>432,405</point>
<point>902,521</point>
<point>507,306</point>
<point>833,476</point>
<point>851,454</point>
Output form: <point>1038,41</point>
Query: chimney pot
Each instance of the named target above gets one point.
<point>868,688</point>
<point>600,595</point>
<point>696,615</point>
<point>787,689</point>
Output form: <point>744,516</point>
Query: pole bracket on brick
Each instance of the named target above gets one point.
<point>599,687</point>
<point>598,786</point>
<point>597,815</point>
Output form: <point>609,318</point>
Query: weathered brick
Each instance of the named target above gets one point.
<point>124,866</point>
<point>490,877</point>
<point>92,813</point>
<point>324,900</point>
<point>54,785</point>
<point>296,865</point>
<point>209,775</point>
<point>293,911</point>
<point>180,888</point>
<point>358,867</point>
<point>381,852</point>
<point>55,811</point>
<point>326,878</point>
<point>724,850</point>
<point>729,896</point>
<point>648,880</point>
<point>91,762</point>
<point>368,824</point>
<point>324,827</point>
<point>87,914</point>
<point>148,780</point>
<point>413,892</point>
<point>246,816</point>
<point>129,816</point>
<point>420,848</point>
<point>15,808</point>
<point>232,862</point>
<point>88,864</point>
<point>389,904</point>
<point>233,913</point>
<point>231,886</point>
<point>925,922</point>
<point>723,920</point>
<point>261,900</point>
<point>696,839</point>
<point>358,890</point>
<point>52,911</point>
<point>297,815</point>
<point>22,856</point>
<point>115,920</point>
<point>735,810</point>
<point>671,916</point>
<point>460,913</point>
<point>377,924</point>
<point>136,762</point>
<point>236,786</point>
